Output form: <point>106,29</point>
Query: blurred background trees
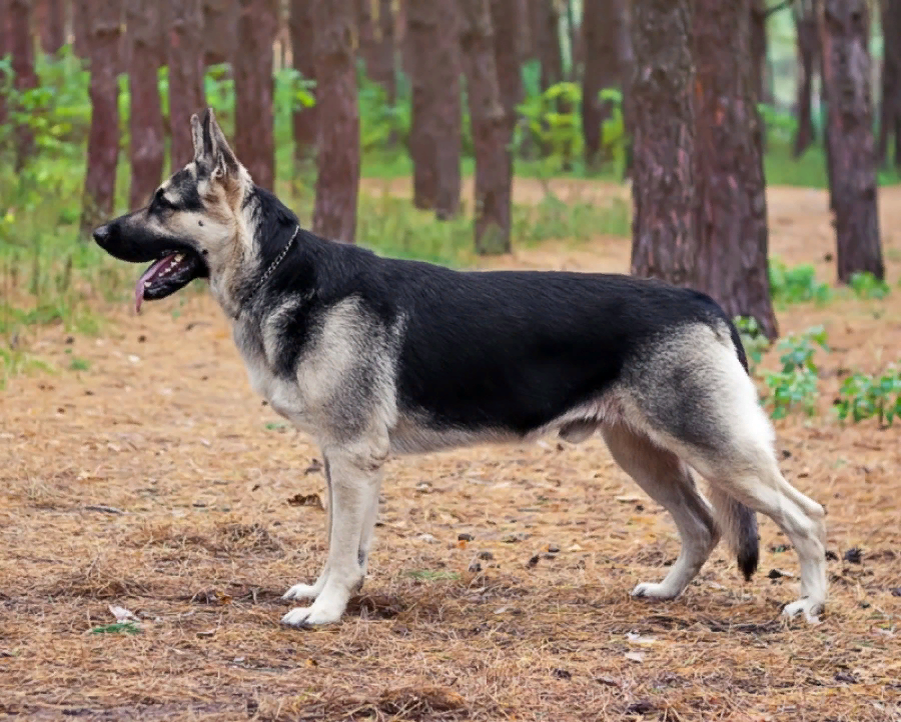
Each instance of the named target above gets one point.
<point>697,102</point>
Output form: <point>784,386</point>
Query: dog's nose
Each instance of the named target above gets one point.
<point>101,235</point>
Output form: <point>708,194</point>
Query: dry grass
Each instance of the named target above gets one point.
<point>152,481</point>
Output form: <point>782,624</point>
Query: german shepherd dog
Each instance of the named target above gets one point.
<point>374,356</point>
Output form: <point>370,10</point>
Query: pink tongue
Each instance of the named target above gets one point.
<point>146,276</point>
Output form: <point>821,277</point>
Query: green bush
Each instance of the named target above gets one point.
<point>796,384</point>
<point>863,397</point>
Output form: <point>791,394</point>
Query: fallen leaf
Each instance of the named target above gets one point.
<point>122,614</point>
<point>635,656</point>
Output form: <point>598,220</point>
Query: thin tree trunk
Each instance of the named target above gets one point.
<point>24,76</point>
<point>142,21</point>
<point>601,30</point>
<point>844,28</point>
<point>547,39</point>
<point>627,65</point>
<point>335,213</point>
<point>220,28</point>
<point>254,87</point>
<point>103,141</point>
<point>573,34</point>
<point>805,12</point>
<point>184,21</point>
<point>435,133</point>
<point>387,74</point>
<point>366,46</point>
<point>4,50</point>
<point>304,60</point>
<point>81,28</point>
<point>489,129</point>
<point>663,227</point>
<point>890,110</point>
<point>507,19</point>
<point>53,26</point>
<point>732,238</point>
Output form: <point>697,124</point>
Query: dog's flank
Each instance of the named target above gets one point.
<point>374,356</point>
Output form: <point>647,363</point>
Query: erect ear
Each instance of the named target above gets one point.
<point>222,158</point>
<point>197,137</point>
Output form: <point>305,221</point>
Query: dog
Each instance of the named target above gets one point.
<point>374,356</point>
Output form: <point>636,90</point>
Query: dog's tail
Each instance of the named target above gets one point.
<point>737,522</point>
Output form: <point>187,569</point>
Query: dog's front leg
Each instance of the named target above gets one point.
<point>354,482</point>
<point>311,591</point>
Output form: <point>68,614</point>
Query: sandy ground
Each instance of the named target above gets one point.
<point>156,481</point>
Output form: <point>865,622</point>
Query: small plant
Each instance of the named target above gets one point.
<point>796,385</point>
<point>866,285</point>
<point>79,364</point>
<point>117,628</point>
<point>796,285</point>
<point>753,339</point>
<point>433,575</point>
<point>863,397</point>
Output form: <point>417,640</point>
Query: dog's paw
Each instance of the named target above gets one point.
<point>810,608</point>
<point>311,616</point>
<point>302,591</point>
<point>649,590</point>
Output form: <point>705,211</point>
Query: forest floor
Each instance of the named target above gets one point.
<point>153,479</point>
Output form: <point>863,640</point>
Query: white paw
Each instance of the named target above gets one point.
<point>810,608</point>
<point>311,616</point>
<point>302,591</point>
<point>648,590</point>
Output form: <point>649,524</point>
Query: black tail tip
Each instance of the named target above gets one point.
<point>748,559</point>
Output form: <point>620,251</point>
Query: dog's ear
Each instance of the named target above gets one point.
<point>222,158</point>
<point>197,137</point>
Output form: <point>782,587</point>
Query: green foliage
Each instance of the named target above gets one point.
<point>866,285</point>
<point>614,138</point>
<point>863,397</point>
<point>796,384</point>
<point>753,339</point>
<point>781,125</point>
<point>796,285</point>
<point>551,123</point>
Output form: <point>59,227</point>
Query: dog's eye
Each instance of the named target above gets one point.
<point>160,202</point>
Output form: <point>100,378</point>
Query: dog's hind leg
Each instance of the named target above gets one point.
<point>667,480</point>
<point>355,481</point>
<point>311,591</point>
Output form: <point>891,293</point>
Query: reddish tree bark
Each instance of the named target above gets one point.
<point>303,33</point>
<point>337,185</point>
<point>145,122</point>
<point>366,46</point>
<point>506,21</point>
<point>25,78</point>
<point>758,55</point>
<point>844,29</point>
<point>805,14</point>
<point>384,55</point>
<point>890,110</point>
<point>254,86</point>
<point>664,209</point>
<point>220,30</point>
<point>52,24</point>
<point>81,28</point>
<point>103,140</point>
<point>546,31</point>
<point>730,263</point>
<point>489,129</point>
<point>184,23</point>
<point>601,32</point>
<point>435,134</point>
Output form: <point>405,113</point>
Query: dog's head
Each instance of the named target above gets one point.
<point>193,227</point>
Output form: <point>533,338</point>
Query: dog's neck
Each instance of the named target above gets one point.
<point>268,232</point>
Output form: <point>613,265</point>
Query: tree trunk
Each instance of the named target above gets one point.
<point>758,55</point>
<point>489,129</point>
<point>52,26</point>
<point>627,67</point>
<point>844,29</point>
<point>573,36</point>
<point>664,240</point>
<point>81,28</point>
<point>220,28</point>
<point>254,87</point>
<point>103,141</point>
<point>335,214</point>
<point>547,41</point>
<point>890,111</point>
<point>24,76</point>
<point>601,21</point>
<point>4,50</point>
<point>805,12</point>
<point>730,263</point>
<point>184,21</point>
<point>507,19</point>
<point>142,22</point>
<point>384,52</point>
<point>435,133</point>
<point>366,46</point>
<point>303,33</point>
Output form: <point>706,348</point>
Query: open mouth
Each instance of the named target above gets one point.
<point>173,271</point>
